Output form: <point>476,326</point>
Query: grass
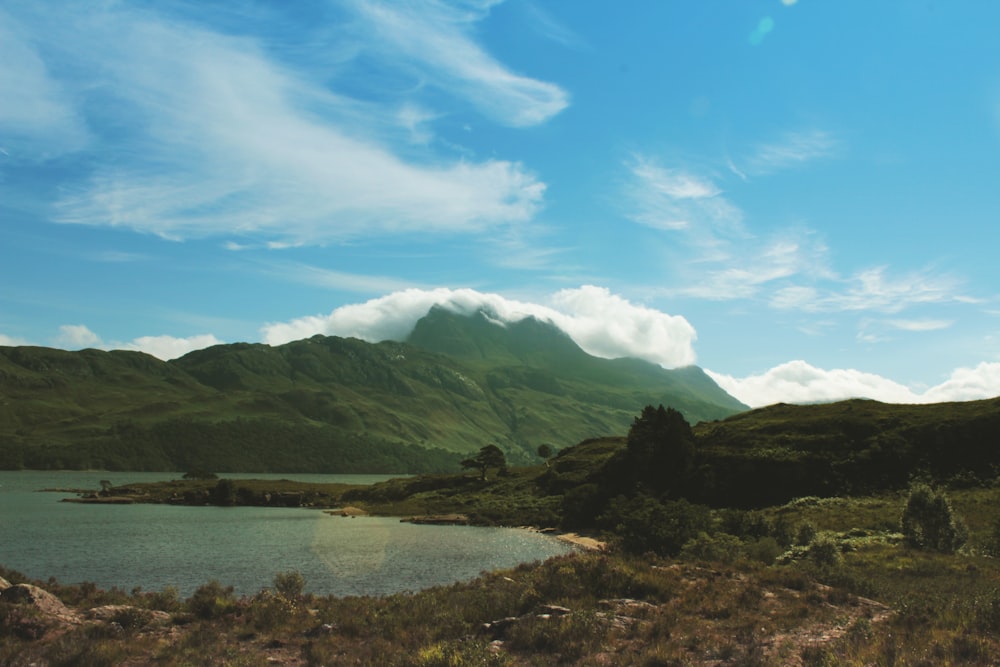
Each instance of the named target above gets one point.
<point>569,610</point>
<point>814,581</point>
<point>880,603</point>
<point>328,404</point>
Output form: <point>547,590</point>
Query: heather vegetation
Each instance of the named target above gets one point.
<point>903,572</point>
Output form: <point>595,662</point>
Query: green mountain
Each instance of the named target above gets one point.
<point>332,404</point>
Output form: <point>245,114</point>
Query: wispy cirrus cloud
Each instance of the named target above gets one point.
<point>192,131</point>
<point>335,280</point>
<point>715,253</point>
<point>678,199</point>
<point>790,150</point>
<point>872,290</point>
<point>551,28</point>
<point>716,256</point>
<point>757,266</point>
<point>435,37</point>
<point>38,119</point>
<point>920,325</point>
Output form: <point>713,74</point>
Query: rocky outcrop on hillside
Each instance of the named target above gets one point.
<point>31,612</point>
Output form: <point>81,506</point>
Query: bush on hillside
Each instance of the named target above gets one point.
<point>928,521</point>
<point>645,524</point>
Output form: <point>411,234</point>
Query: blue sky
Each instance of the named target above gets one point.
<point>801,197</point>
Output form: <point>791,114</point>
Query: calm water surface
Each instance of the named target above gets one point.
<point>153,546</point>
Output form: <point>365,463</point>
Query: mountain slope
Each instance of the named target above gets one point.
<point>770,455</point>
<point>330,403</point>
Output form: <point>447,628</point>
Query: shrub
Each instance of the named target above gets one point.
<point>764,550</point>
<point>290,584</point>
<point>720,548</point>
<point>132,619</point>
<point>805,534</point>
<point>825,552</point>
<point>992,544</point>
<point>647,524</point>
<point>460,653</point>
<point>269,611</point>
<point>166,600</point>
<point>928,521</point>
<point>212,600</point>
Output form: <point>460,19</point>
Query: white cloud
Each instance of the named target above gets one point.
<point>792,149</point>
<point>678,199</point>
<point>872,290</point>
<point>339,280</point>
<point>170,347</point>
<point>967,384</point>
<point>11,341</point>
<point>77,336</point>
<point>551,28</point>
<point>200,133</point>
<point>606,325</point>
<point>435,37</point>
<point>920,325</point>
<point>37,118</point>
<point>714,255</point>
<point>753,265</point>
<point>602,323</point>
<point>799,382</point>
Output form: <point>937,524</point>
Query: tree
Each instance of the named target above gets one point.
<point>660,447</point>
<point>545,452</point>
<point>928,521</point>
<point>489,456</point>
<point>290,584</point>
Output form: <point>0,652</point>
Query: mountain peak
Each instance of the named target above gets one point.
<point>482,335</point>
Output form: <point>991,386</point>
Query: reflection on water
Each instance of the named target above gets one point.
<point>153,546</point>
<point>355,550</point>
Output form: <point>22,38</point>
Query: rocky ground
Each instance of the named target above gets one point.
<point>692,624</point>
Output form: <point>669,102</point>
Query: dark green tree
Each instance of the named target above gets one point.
<point>928,521</point>
<point>488,457</point>
<point>545,452</point>
<point>661,448</point>
<point>290,584</point>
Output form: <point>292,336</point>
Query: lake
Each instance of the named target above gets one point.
<point>154,546</point>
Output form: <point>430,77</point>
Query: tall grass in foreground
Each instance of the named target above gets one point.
<point>848,590</point>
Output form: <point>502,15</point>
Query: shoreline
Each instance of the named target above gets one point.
<point>582,541</point>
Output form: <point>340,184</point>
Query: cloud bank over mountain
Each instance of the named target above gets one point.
<point>799,382</point>
<point>602,323</point>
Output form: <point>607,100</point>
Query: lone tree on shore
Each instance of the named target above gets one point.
<point>488,457</point>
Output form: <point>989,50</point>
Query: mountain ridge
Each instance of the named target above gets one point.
<point>457,383</point>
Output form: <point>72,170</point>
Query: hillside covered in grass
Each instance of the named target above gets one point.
<point>897,570</point>
<point>329,404</point>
